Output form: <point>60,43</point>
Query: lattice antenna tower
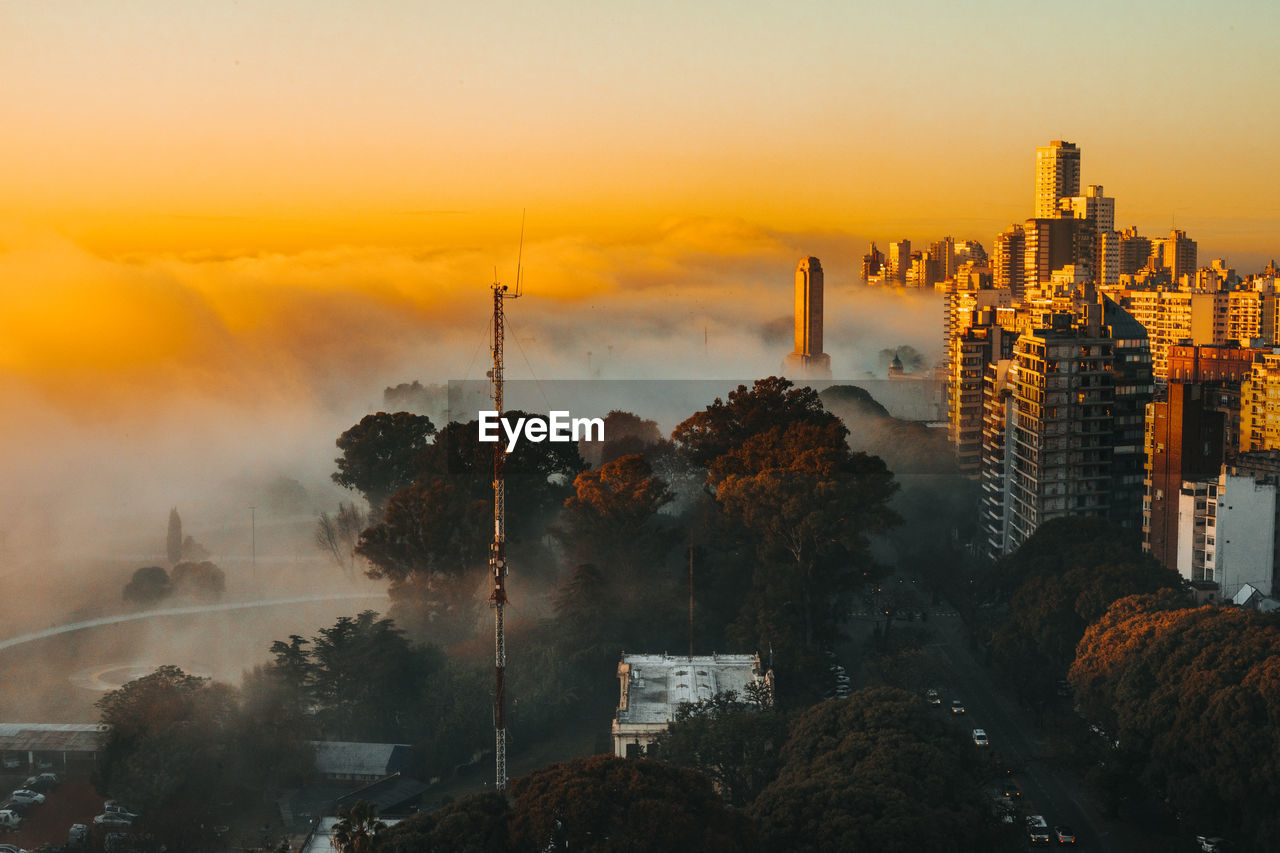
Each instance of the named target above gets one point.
<point>498,550</point>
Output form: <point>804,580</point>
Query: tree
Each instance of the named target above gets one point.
<point>736,744</point>
<point>611,519</point>
<point>769,403</point>
<point>379,454</point>
<point>337,535</point>
<point>1064,577</point>
<point>202,580</point>
<point>148,585</point>
<point>166,746</point>
<point>808,505</point>
<point>1169,681</point>
<point>876,771</point>
<point>607,803</point>
<point>357,828</point>
<point>173,542</point>
<point>474,824</point>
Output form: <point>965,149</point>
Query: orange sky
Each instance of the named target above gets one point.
<point>197,184</point>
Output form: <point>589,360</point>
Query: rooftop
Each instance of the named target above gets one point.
<point>51,737</point>
<point>658,684</point>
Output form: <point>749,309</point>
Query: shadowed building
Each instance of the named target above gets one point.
<point>808,361</point>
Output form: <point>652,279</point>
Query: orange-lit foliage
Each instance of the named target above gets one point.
<point>1193,696</point>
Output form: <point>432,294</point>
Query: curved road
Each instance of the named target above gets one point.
<point>178,611</point>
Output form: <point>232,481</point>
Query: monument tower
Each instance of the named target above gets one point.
<point>808,361</point>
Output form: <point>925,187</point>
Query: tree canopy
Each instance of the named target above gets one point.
<point>1063,578</point>
<point>770,402</point>
<point>379,454</point>
<point>613,804</point>
<point>1192,695</point>
<point>876,771</point>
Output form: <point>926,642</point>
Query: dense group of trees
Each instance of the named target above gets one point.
<point>151,584</point>
<point>1051,589</point>
<point>176,744</point>
<point>1190,699</point>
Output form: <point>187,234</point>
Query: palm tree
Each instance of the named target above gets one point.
<point>355,830</point>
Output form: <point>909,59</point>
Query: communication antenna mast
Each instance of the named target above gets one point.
<point>498,550</point>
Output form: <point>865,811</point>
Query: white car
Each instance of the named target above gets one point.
<point>114,819</point>
<point>980,738</point>
<point>22,795</point>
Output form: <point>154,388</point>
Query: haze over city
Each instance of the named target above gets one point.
<point>228,231</point>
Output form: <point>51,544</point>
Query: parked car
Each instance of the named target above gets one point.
<point>1038,829</point>
<point>9,819</point>
<point>114,819</point>
<point>18,808</point>
<point>1065,834</point>
<point>113,807</point>
<point>23,795</point>
<point>1211,844</point>
<point>980,738</point>
<point>12,763</point>
<point>44,783</point>
<point>78,835</point>
<point>931,696</point>
<point>9,848</point>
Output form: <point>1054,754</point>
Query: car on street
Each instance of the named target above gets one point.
<point>1064,834</point>
<point>1038,829</point>
<point>22,795</point>
<point>1010,789</point>
<point>980,738</point>
<point>957,707</point>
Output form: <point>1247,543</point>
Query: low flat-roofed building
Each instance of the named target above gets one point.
<point>43,745</point>
<point>360,762</point>
<point>654,686</point>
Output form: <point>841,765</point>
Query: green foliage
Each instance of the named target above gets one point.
<point>806,504</point>
<point>147,586</point>
<point>770,402</point>
<point>168,736</point>
<point>357,829</point>
<point>474,824</point>
<point>736,744</point>
<point>362,680</point>
<point>379,454</point>
<point>876,771</point>
<point>611,804</point>
<point>1063,578</point>
<point>200,580</point>
<point>1193,697</point>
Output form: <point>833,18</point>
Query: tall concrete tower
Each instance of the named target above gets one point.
<point>808,361</point>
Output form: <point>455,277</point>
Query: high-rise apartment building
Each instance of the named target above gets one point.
<point>1072,433</point>
<point>1176,254</point>
<point>899,262</point>
<point>872,263</point>
<point>1007,261</point>
<point>1048,245</point>
<point>1260,404</point>
<point>1057,176</point>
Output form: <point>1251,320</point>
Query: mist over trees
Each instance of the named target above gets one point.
<point>379,455</point>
